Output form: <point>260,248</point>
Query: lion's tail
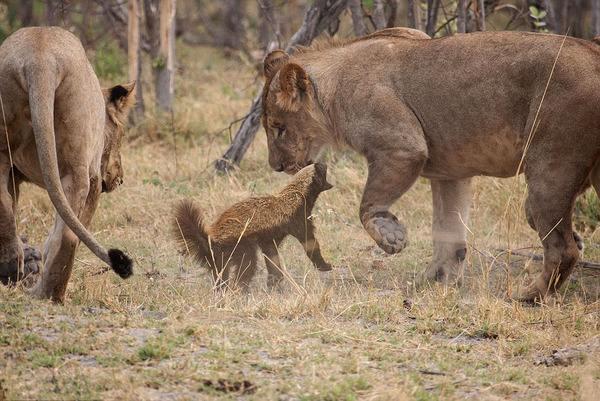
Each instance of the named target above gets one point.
<point>42,88</point>
<point>190,230</point>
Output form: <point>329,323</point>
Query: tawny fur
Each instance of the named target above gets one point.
<point>63,133</point>
<point>448,109</point>
<point>230,244</point>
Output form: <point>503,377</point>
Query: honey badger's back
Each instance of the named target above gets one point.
<point>267,215</point>
<point>249,218</point>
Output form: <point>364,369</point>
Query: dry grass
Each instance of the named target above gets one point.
<point>362,332</point>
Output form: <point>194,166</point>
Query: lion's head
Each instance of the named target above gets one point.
<point>119,100</point>
<point>292,117</point>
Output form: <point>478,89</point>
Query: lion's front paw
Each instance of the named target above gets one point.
<point>388,233</point>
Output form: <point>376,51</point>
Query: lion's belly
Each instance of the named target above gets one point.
<point>24,153</point>
<point>495,155</point>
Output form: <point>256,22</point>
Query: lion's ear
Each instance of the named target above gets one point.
<point>119,100</point>
<point>273,62</point>
<point>293,84</point>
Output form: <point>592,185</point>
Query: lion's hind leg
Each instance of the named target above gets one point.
<point>11,252</point>
<point>549,207</point>
<point>59,251</point>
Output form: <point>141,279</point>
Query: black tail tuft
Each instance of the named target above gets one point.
<point>120,263</point>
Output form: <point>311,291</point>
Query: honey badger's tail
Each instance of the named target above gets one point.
<point>190,231</point>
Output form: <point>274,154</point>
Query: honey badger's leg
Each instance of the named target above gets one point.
<point>220,265</point>
<point>11,252</point>
<point>246,267</point>
<point>273,263</point>
<point>451,203</point>
<point>306,236</point>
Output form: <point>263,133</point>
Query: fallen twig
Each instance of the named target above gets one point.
<point>537,257</point>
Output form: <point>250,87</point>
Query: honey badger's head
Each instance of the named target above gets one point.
<point>315,175</point>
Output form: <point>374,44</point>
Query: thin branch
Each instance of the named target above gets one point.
<point>539,258</point>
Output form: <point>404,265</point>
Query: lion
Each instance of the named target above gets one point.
<point>231,242</point>
<point>62,132</point>
<point>448,109</point>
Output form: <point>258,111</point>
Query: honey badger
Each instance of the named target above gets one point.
<point>229,245</point>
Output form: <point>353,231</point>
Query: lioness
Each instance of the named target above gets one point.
<point>232,241</point>
<point>60,131</point>
<point>448,109</point>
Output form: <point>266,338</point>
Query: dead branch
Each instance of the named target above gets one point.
<point>539,258</point>
<point>318,17</point>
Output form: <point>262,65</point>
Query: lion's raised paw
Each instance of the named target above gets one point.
<point>388,233</point>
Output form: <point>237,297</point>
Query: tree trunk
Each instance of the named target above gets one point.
<point>432,15</point>
<point>358,17</point>
<point>233,32</point>
<point>595,17</point>
<point>270,27</point>
<point>165,64</point>
<point>576,14</point>
<point>480,14</point>
<point>412,14</point>
<point>318,16</point>
<point>461,16</point>
<point>151,18</point>
<point>26,12</point>
<point>134,18</point>
<point>51,10</point>
<point>562,18</point>
<point>393,5</point>
<point>379,14</point>
<point>551,18</point>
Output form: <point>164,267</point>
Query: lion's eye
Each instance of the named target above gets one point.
<point>280,131</point>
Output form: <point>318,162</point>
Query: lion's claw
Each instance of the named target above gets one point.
<point>388,233</point>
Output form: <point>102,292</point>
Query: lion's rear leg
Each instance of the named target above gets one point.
<point>60,247</point>
<point>11,252</point>
<point>549,207</point>
<point>578,238</point>
<point>451,204</point>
